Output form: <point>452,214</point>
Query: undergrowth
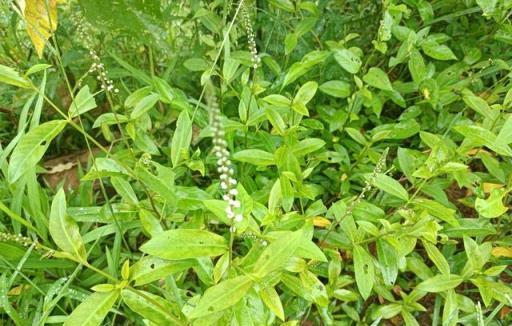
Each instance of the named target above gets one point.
<point>280,162</point>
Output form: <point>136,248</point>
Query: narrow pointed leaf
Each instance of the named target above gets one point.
<point>32,147</point>
<point>64,230</point>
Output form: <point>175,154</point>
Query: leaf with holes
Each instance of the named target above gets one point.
<point>149,269</point>
<point>377,78</point>
<point>348,60</point>
<point>364,271</point>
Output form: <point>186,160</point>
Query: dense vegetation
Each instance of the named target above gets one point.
<point>280,162</point>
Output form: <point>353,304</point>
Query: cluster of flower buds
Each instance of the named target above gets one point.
<point>246,18</point>
<point>224,166</point>
<point>20,239</point>
<point>252,236</point>
<point>97,67</point>
<point>84,31</point>
<point>376,170</point>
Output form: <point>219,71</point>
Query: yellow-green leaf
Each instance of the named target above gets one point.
<point>92,310</point>
<point>63,228</point>
<point>222,296</point>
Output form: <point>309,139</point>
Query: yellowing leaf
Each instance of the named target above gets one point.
<point>321,221</point>
<point>488,187</point>
<point>18,289</point>
<point>41,20</point>
<point>502,252</point>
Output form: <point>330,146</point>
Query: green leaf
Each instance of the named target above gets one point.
<point>306,93</point>
<point>388,185</point>
<point>377,78</point>
<point>37,68</point>
<point>307,146</point>
<point>426,11</point>
<point>137,96</point>
<point>222,296</point>
<point>505,134</point>
<point>417,66</point>
<point>356,135</point>
<point>480,136</point>
<point>492,207</point>
<point>388,261</point>
<point>300,68</point>
<point>437,210</point>
<point>229,69</point>
<point>64,230</point>
<point>300,108</point>
<point>478,104</point>
<point>181,138</point>
<point>167,94</point>
<point>440,283</point>
<point>348,60</point>
<point>488,6</point>
<point>387,311</point>
<point>6,305</point>
<point>437,258</point>
<point>157,309</point>
<point>83,102</point>
<point>144,105</point>
<point>196,64</point>
<point>315,290</point>
<point>123,188</point>
<point>277,254</point>
<point>437,51</point>
<point>16,217</point>
<point>277,100</point>
<point>254,156</point>
<point>364,271</point>
<point>11,77</point>
<point>290,42</point>
<point>164,188</point>
<point>271,299</point>
<point>185,243</point>
<point>32,147</point>
<point>336,88</point>
<point>286,5</point>
<point>93,309</point>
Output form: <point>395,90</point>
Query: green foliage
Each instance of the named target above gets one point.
<point>274,162</point>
